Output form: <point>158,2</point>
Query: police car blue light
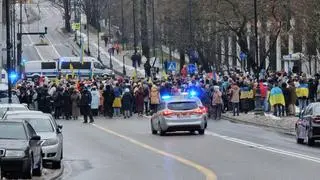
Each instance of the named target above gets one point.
<point>193,93</point>
<point>165,97</point>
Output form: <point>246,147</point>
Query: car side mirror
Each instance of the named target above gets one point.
<point>60,126</point>
<point>36,138</point>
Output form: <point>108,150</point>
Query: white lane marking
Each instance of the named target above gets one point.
<point>30,39</point>
<point>265,148</point>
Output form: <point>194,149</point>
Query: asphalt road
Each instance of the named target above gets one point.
<point>126,149</point>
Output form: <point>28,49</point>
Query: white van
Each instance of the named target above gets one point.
<point>34,69</point>
<point>83,69</point>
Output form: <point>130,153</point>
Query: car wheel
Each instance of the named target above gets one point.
<point>27,174</point>
<point>161,132</point>
<point>38,170</point>
<point>310,141</point>
<point>201,131</point>
<point>152,129</point>
<point>56,164</point>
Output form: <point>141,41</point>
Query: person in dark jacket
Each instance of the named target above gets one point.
<point>139,99</point>
<point>108,96</point>
<point>126,103</point>
<point>67,104</point>
<point>85,104</point>
<point>58,98</point>
<point>286,94</point>
<point>44,100</point>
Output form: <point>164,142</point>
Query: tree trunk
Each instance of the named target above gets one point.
<point>144,30</point>
<point>182,58</point>
<point>66,5</point>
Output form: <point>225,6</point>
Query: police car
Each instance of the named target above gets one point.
<point>184,112</point>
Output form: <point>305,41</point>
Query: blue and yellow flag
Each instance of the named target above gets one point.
<point>302,90</point>
<point>72,70</point>
<point>276,96</point>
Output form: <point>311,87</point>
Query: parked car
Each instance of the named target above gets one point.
<point>20,150</point>
<point>308,125</point>
<point>51,133</point>
<point>12,107</point>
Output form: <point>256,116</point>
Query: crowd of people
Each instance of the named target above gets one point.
<point>236,92</point>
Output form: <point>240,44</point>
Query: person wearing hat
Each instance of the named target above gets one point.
<point>126,103</point>
<point>85,104</point>
<point>95,100</point>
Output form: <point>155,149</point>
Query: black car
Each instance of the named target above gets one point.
<point>308,125</point>
<point>20,150</point>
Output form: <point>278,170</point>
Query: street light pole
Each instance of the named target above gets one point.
<point>122,24</point>
<point>88,39</point>
<point>99,58</point>
<point>256,32</point>
<point>190,23</point>
<point>75,18</point>
<point>134,26</point>
<point>9,46</point>
<point>258,107</point>
<point>153,30</point>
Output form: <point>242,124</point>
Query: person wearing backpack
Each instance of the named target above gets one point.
<point>217,103</point>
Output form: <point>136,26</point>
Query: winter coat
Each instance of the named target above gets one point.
<point>235,94</point>
<point>126,101</point>
<point>95,99</point>
<point>139,100</point>
<point>75,99</point>
<point>58,98</point>
<point>292,94</point>
<point>86,98</point>
<point>108,96</point>
<point>217,98</point>
<point>154,95</point>
<point>66,102</point>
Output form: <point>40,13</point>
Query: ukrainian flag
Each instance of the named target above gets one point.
<point>302,91</point>
<point>276,96</point>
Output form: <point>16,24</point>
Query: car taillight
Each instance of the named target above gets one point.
<point>316,119</point>
<point>167,113</point>
<point>203,109</point>
<point>200,110</point>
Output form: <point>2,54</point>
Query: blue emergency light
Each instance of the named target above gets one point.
<point>165,97</point>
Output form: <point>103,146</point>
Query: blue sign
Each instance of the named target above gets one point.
<point>243,56</point>
<point>172,66</point>
<point>192,68</point>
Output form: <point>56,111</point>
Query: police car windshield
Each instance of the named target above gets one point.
<point>187,105</point>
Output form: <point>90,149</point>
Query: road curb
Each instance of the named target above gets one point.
<point>59,174</point>
<point>279,129</point>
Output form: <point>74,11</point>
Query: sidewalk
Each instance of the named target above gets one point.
<point>117,59</point>
<point>283,124</point>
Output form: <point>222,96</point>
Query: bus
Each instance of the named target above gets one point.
<point>34,69</point>
<point>90,66</point>
<point>53,68</point>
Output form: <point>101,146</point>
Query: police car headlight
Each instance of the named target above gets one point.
<point>15,153</point>
<point>50,142</point>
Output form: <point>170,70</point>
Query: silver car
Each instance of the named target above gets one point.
<point>308,125</point>
<point>12,107</point>
<point>179,113</point>
<point>50,132</point>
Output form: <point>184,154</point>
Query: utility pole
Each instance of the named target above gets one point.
<point>88,35</point>
<point>109,14</point>
<point>134,26</point>
<point>122,24</point>
<point>153,30</point>
<point>9,46</point>
<point>256,32</point>
<point>19,41</point>
<point>75,18</point>
<point>190,23</point>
